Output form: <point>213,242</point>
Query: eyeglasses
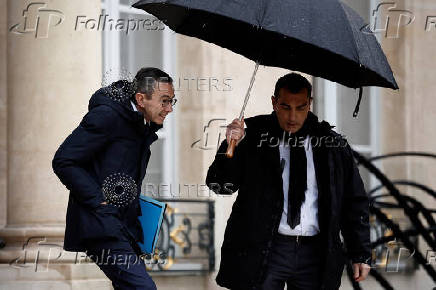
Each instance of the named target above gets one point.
<point>167,102</point>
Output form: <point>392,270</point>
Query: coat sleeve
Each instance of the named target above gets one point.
<point>225,174</point>
<point>78,150</point>
<point>355,213</point>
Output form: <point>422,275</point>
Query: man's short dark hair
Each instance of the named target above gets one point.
<point>146,79</point>
<point>294,83</point>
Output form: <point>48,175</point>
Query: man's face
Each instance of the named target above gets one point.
<point>159,106</point>
<point>291,109</point>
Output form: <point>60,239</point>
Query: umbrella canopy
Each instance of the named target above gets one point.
<point>325,38</point>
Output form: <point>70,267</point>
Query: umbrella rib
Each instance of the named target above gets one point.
<point>350,30</point>
<point>247,96</point>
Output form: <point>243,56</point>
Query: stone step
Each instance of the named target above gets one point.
<point>54,272</point>
<point>57,285</point>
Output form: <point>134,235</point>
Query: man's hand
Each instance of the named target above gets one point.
<point>361,271</point>
<point>104,203</point>
<point>235,131</point>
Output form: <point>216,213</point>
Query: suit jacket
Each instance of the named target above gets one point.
<point>111,139</point>
<point>255,171</point>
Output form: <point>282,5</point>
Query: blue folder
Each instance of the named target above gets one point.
<point>151,221</point>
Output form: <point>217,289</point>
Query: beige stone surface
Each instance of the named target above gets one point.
<point>408,115</point>
<point>84,277</point>
<point>55,277</point>
<point>49,82</point>
<point>3,112</point>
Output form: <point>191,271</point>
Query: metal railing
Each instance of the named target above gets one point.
<point>186,240</point>
<point>388,232</point>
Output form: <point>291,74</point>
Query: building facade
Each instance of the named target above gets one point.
<point>55,54</point>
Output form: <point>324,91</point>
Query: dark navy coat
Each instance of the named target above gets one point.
<point>112,138</point>
<point>255,171</point>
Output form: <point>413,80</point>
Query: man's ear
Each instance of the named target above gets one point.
<point>140,99</point>
<point>273,102</point>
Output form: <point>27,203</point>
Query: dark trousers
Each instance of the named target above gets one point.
<point>298,264</point>
<point>124,268</point>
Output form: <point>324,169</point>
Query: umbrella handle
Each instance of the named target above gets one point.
<point>231,148</point>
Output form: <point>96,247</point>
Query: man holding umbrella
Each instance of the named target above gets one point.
<point>103,162</point>
<point>299,188</point>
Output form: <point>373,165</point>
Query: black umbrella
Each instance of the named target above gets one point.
<point>325,38</point>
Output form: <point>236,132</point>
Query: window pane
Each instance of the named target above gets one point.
<point>128,2</point>
<point>365,174</point>
<point>360,6</point>
<point>153,178</point>
<point>357,130</point>
<point>141,47</point>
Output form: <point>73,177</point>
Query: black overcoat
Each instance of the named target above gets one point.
<point>111,139</point>
<point>255,171</point>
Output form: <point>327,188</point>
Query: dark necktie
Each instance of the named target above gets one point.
<point>297,179</point>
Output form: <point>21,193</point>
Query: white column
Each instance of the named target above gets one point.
<point>44,91</point>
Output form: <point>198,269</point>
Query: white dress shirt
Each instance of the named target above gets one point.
<point>309,209</point>
<point>136,110</point>
<point>134,106</point>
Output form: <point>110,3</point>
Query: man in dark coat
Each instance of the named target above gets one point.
<point>298,188</point>
<point>103,162</point>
